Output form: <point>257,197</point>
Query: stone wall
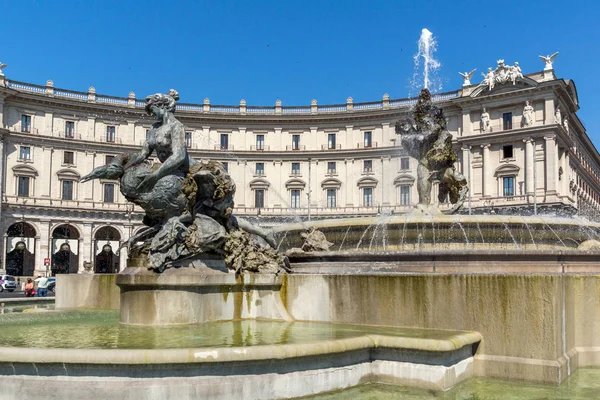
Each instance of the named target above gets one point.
<point>534,327</point>
<point>96,291</point>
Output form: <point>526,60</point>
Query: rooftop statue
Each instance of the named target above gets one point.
<point>467,77</point>
<point>502,74</point>
<point>425,137</point>
<point>548,60</point>
<point>188,204</point>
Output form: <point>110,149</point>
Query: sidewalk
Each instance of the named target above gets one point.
<point>25,300</point>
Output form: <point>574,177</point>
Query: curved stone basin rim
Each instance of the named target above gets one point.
<point>232,354</point>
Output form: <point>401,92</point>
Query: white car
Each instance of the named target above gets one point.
<point>8,282</point>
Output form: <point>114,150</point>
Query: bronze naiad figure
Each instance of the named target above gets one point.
<point>425,137</point>
<point>188,204</point>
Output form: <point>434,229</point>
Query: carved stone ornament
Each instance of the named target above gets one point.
<point>501,75</point>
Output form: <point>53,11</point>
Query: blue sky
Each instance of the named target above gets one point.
<point>292,50</point>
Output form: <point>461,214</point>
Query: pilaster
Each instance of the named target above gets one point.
<point>87,248</point>
<point>349,164</point>
<point>529,163</point>
<point>549,111</point>
<point>551,166</point>
<point>386,181</point>
<point>485,183</point>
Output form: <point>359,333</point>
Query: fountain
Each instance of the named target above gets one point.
<point>207,307</point>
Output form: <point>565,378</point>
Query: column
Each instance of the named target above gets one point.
<point>350,137</point>
<point>565,176</point>
<point>349,184</point>
<point>48,127</point>
<point>282,179</point>
<point>386,134</point>
<point>529,163</point>
<point>549,111</point>
<point>467,125</point>
<point>386,185</point>
<point>551,165</point>
<point>43,248</point>
<point>206,136</point>
<point>92,128</point>
<point>87,249</point>
<point>80,245</point>
<point>485,174</point>
<point>465,162</point>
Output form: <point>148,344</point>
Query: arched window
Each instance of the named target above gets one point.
<point>20,249</point>
<point>107,241</point>
<point>65,250</point>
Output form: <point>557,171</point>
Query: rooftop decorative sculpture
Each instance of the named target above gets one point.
<point>502,74</point>
<point>425,137</point>
<point>548,60</point>
<point>467,77</point>
<point>188,204</point>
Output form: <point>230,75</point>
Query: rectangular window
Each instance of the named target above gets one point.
<point>225,166</point>
<point>331,198</point>
<point>404,163</point>
<point>507,151</point>
<point>331,167</point>
<point>260,142</point>
<point>224,141</point>
<point>108,159</point>
<point>259,198</point>
<point>69,129</point>
<point>295,142</point>
<point>295,168</point>
<point>68,157</point>
<point>25,153</point>
<point>368,139</point>
<point>23,189</point>
<point>260,168</point>
<point>368,166</point>
<point>367,197</point>
<point>110,133</point>
<point>295,199</point>
<point>331,141</point>
<point>109,192</point>
<point>509,186</point>
<point>147,134</point>
<point>25,123</point>
<point>67,190</point>
<point>188,140</point>
<point>405,195</point>
<point>507,121</point>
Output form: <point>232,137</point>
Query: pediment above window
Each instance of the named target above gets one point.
<point>404,179</point>
<point>259,183</point>
<point>295,184</point>
<point>24,170</point>
<point>506,170</point>
<point>68,174</point>
<point>331,183</point>
<point>367,181</point>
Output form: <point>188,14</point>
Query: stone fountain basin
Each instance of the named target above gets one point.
<point>418,232</point>
<point>433,359</point>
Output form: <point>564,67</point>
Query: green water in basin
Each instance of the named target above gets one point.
<point>100,329</point>
<point>584,384</point>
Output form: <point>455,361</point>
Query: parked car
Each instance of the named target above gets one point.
<point>8,282</point>
<point>52,284</point>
